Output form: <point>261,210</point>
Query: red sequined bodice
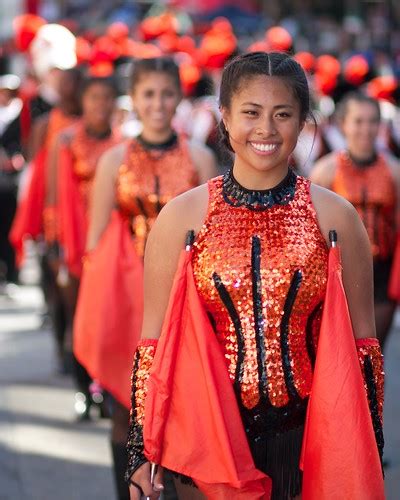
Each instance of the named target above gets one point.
<point>261,272</point>
<point>371,190</point>
<point>86,151</point>
<point>148,179</point>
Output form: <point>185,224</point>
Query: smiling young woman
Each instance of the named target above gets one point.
<point>135,179</point>
<point>259,269</point>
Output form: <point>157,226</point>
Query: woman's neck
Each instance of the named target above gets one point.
<point>157,137</point>
<point>259,180</point>
<point>97,130</point>
<point>362,158</point>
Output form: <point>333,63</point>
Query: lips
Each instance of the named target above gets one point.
<point>264,148</point>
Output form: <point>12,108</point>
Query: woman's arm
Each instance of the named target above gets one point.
<point>103,194</point>
<point>164,245</point>
<point>334,212</point>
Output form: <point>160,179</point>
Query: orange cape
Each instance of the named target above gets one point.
<point>193,426</point>
<point>109,312</point>
<point>28,221</point>
<point>71,213</point>
<point>340,457</point>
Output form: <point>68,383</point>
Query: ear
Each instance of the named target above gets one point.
<point>225,117</point>
<point>302,124</point>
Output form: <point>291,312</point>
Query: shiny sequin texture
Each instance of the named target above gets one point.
<point>148,179</point>
<point>262,276</point>
<point>374,353</point>
<point>371,190</point>
<point>371,362</point>
<point>86,151</point>
<point>142,363</point>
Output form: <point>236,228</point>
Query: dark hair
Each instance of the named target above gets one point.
<point>94,80</point>
<point>156,64</point>
<point>277,64</point>
<point>358,97</point>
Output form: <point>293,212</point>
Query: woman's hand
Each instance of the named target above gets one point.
<point>142,478</point>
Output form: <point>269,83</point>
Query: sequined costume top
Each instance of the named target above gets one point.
<point>86,151</point>
<point>260,266</point>
<point>371,189</point>
<point>148,179</point>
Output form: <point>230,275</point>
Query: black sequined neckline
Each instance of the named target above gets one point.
<point>258,200</point>
<point>363,163</point>
<point>168,144</point>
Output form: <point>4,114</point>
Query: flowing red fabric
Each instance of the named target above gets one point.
<point>340,456</point>
<point>28,221</point>
<point>394,282</point>
<point>109,312</point>
<point>192,421</point>
<point>72,214</point>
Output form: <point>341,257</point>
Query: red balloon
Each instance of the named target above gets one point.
<point>25,28</point>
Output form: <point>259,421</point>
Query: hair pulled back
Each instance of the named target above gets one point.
<point>278,64</point>
<point>89,81</point>
<point>165,65</point>
<point>359,97</point>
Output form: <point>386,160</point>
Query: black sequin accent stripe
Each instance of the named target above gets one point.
<point>141,206</point>
<point>258,315</point>
<point>309,334</point>
<point>258,200</point>
<point>373,405</point>
<point>227,301</point>
<point>287,310</point>
<point>135,445</point>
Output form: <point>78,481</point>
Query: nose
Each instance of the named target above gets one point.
<point>267,129</point>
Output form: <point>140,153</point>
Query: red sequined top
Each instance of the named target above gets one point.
<point>86,151</point>
<point>148,179</point>
<point>260,266</point>
<point>371,190</point>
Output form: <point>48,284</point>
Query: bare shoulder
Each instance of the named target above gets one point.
<point>204,160</point>
<point>324,170</point>
<point>394,165</point>
<point>334,213</point>
<point>185,212</point>
<point>65,136</point>
<point>111,160</point>
<point>198,149</point>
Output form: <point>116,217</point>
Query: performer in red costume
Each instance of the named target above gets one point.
<point>134,181</point>
<point>35,221</point>
<point>371,182</point>
<point>221,397</point>
<point>73,162</point>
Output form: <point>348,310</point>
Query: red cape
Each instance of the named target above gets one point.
<point>73,220</point>
<point>109,312</point>
<point>28,221</point>
<point>340,456</point>
<point>192,424</point>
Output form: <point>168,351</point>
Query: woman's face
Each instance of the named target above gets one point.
<point>98,104</point>
<point>360,126</point>
<point>155,99</point>
<point>263,123</point>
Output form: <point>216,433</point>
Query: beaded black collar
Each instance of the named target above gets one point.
<point>163,146</point>
<point>238,196</point>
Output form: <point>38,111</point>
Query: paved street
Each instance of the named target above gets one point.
<point>44,455</point>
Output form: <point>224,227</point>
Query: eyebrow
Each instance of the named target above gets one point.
<point>278,106</point>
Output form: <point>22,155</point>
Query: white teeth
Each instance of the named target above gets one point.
<point>264,147</point>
